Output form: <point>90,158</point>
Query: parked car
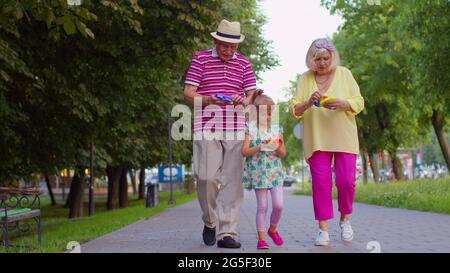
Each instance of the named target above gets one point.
<point>289,180</point>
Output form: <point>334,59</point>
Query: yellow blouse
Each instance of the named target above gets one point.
<point>330,130</point>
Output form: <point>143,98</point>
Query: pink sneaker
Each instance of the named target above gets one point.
<point>262,245</point>
<point>276,237</point>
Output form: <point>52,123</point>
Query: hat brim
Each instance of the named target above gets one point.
<point>228,40</point>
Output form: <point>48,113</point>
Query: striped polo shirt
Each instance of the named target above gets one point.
<point>213,76</point>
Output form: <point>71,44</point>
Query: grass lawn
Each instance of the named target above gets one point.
<point>425,195</point>
<point>58,230</point>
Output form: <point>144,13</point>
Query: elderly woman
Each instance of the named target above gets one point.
<point>328,98</point>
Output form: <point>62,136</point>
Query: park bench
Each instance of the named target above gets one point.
<point>16,206</point>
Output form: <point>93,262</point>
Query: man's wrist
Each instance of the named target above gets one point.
<point>251,94</point>
<point>246,101</point>
<point>206,100</point>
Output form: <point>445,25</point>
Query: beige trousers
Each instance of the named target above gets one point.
<point>218,167</point>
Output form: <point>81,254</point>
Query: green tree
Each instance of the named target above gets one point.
<point>258,49</point>
<point>104,73</point>
<point>368,47</point>
<point>422,31</point>
<point>432,151</point>
<point>293,145</point>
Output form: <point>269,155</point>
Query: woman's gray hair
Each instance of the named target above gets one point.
<point>318,47</point>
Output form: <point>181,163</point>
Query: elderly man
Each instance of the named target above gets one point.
<point>218,163</point>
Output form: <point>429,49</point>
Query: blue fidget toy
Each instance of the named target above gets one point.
<point>224,98</point>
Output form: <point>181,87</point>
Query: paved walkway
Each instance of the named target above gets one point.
<point>388,229</point>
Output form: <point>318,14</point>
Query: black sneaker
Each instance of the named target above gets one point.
<point>209,236</point>
<point>228,242</point>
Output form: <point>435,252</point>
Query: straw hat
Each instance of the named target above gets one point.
<point>229,32</point>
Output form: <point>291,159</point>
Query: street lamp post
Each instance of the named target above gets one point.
<point>171,200</point>
<point>298,133</point>
<point>63,184</point>
<point>303,165</point>
<point>91,182</point>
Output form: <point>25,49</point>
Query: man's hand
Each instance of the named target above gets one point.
<point>214,100</point>
<point>250,96</point>
<point>190,92</point>
<point>238,99</point>
<point>190,95</point>
<point>247,101</point>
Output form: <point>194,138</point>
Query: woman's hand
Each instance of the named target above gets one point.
<point>300,108</point>
<point>338,104</point>
<point>314,97</point>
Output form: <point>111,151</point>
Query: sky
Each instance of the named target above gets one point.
<point>292,25</point>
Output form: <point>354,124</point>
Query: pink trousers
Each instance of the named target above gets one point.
<point>322,182</point>
<point>262,204</point>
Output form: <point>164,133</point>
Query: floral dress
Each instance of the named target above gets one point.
<point>263,170</point>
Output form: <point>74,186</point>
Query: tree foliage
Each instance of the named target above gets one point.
<point>103,73</point>
<point>394,50</point>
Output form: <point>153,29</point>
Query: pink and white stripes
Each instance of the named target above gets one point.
<point>214,76</point>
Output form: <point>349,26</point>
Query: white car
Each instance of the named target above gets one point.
<point>288,181</point>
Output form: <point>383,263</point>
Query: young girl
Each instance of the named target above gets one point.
<point>263,148</point>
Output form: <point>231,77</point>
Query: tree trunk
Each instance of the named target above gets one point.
<point>113,187</point>
<point>77,194</point>
<point>133,181</point>
<point>438,121</point>
<point>142,183</point>
<point>375,169</point>
<point>189,185</point>
<point>70,195</point>
<point>397,167</point>
<point>364,166</point>
<point>50,191</point>
<point>123,189</point>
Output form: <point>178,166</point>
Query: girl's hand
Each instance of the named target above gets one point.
<point>247,150</point>
<point>255,149</point>
<point>337,104</point>
<point>281,150</point>
<point>281,140</point>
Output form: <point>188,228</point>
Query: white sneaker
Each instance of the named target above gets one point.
<point>322,239</point>
<point>346,231</point>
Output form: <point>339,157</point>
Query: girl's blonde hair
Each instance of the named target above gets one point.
<point>318,47</point>
<point>267,105</point>
<point>263,100</point>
